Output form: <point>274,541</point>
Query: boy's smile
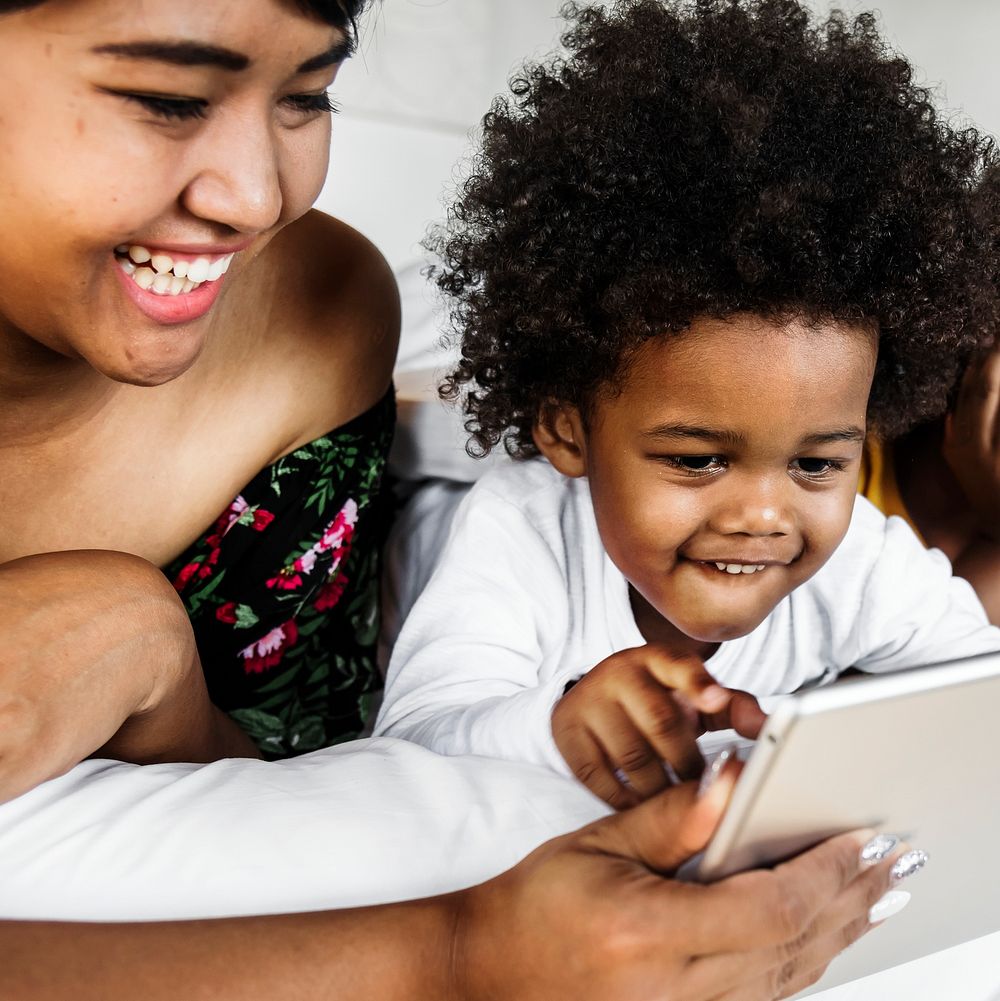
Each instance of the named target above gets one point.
<point>723,467</point>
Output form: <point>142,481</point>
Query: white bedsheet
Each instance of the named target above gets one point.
<point>365,822</point>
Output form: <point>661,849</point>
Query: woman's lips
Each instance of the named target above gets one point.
<point>171,287</point>
<point>183,307</point>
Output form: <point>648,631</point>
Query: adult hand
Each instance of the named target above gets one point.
<point>636,710</point>
<point>971,444</point>
<point>591,916</point>
<point>97,653</point>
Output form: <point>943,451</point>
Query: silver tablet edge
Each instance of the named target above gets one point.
<point>777,727</point>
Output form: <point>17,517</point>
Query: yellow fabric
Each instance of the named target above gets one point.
<point>878,483</point>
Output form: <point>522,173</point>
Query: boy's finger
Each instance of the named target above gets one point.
<point>668,730</point>
<point>631,753</point>
<point>688,676</point>
<point>589,763</point>
<point>743,714</point>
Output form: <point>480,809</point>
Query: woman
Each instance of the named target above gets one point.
<point>195,337</point>
<point>132,415</point>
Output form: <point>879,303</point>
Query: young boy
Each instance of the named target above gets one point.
<point>696,259</point>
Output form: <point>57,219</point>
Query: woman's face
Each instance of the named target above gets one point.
<point>142,144</point>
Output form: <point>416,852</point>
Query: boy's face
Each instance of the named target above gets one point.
<point>736,443</point>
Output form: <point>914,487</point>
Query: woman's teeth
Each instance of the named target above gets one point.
<point>741,567</point>
<point>161,274</point>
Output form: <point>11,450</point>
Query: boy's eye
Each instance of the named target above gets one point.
<point>694,463</point>
<point>172,108</point>
<point>817,467</point>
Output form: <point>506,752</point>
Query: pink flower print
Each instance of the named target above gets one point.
<point>231,515</point>
<point>268,651</point>
<point>338,533</point>
<point>306,561</point>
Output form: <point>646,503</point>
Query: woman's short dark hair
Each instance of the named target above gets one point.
<point>713,157</point>
<point>339,13</point>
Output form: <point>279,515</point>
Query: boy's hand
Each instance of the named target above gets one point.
<point>638,709</point>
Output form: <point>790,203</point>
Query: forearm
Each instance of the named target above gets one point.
<point>979,564</point>
<point>398,951</point>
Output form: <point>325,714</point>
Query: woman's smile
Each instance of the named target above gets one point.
<point>170,286</point>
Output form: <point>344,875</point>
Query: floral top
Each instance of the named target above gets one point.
<point>282,591</point>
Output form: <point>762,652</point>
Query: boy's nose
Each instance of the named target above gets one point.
<point>757,509</point>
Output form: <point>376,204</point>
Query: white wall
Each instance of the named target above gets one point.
<point>427,70</point>
<point>424,76</point>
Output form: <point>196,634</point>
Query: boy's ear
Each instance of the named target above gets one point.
<point>558,433</point>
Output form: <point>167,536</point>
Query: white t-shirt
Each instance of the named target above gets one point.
<point>524,599</point>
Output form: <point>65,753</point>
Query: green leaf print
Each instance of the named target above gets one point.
<point>308,734</point>
<point>245,617</point>
<point>259,725</point>
<point>197,598</point>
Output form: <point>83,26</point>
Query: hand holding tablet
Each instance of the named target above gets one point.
<point>911,753</point>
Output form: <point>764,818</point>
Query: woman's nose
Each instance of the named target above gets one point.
<point>236,180</point>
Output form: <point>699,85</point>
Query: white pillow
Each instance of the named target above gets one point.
<point>362,823</point>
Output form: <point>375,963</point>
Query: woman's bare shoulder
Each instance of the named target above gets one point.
<point>340,316</point>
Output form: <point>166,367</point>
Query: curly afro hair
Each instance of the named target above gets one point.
<point>685,159</point>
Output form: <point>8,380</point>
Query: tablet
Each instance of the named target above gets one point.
<point>913,753</point>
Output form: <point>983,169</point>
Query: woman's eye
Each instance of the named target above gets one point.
<point>816,467</point>
<point>171,108</point>
<point>312,103</point>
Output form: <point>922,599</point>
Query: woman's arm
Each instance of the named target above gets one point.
<point>586,917</point>
<point>98,654</point>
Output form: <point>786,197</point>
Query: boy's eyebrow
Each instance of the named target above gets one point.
<point>731,438</point>
<point>199,54</point>
<point>848,433</point>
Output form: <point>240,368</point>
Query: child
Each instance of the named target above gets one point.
<point>697,259</point>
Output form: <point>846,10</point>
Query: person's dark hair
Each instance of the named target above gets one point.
<point>339,13</point>
<point>708,158</point>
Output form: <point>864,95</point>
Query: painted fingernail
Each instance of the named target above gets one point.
<point>908,863</point>
<point>713,769</point>
<point>891,903</point>
<point>879,848</point>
